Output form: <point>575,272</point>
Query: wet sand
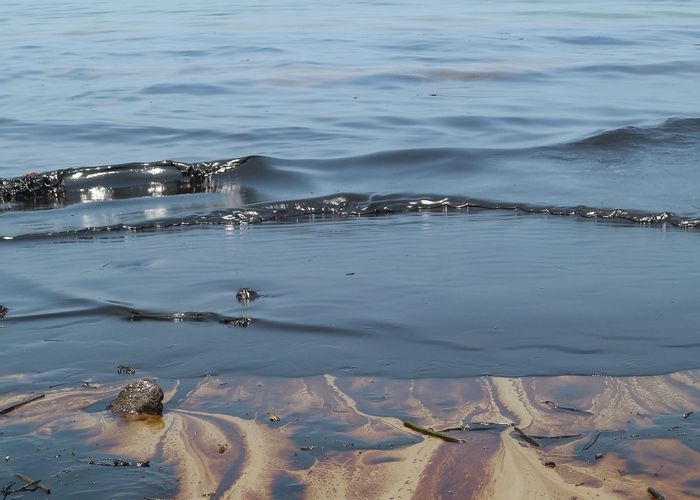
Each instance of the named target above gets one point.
<point>344,437</point>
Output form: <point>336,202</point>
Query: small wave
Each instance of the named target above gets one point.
<point>674,130</point>
<point>356,205</point>
<point>120,310</point>
<point>186,89</point>
<point>680,67</point>
<point>256,189</point>
<point>111,181</point>
<point>591,40</point>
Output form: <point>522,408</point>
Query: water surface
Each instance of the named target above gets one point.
<point>416,192</point>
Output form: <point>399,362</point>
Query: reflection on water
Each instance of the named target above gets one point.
<point>155,213</point>
<point>99,193</point>
<point>157,189</point>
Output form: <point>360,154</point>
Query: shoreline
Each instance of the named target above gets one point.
<point>597,437</point>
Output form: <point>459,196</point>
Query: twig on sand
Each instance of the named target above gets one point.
<point>563,436</point>
<point>655,494</point>
<point>430,432</point>
<point>527,438</point>
<point>591,442</point>
<point>554,406</point>
<point>14,406</point>
<point>450,429</point>
<point>477,426</point>
<point>31,483</point>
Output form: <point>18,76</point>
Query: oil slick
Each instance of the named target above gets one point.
<point>346,437</point>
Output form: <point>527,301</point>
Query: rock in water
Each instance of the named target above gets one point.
<point>141,397</point>
<point>246,295</point>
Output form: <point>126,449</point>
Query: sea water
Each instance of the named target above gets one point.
<point>415,190</point>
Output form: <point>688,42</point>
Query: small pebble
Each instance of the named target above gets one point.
<point>598,456</point>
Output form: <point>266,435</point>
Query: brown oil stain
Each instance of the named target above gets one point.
<point>343,437</point>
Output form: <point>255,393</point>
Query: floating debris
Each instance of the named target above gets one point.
<point>274,418</point>
<point>3,311</point>
<point>31,483</point>
<point>687,414</point>
<point>430,432</point>
<point>126,369</point>
<point>598,456</point>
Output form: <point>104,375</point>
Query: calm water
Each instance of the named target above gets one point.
<point>415,190</point>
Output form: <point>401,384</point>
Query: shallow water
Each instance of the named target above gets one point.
<point>416,192</point>
<point>416,295</point>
